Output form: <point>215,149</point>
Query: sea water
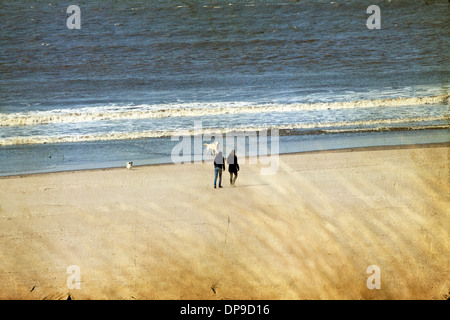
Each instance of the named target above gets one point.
<point>138,74</point>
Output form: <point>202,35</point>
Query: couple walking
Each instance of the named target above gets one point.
<point>219,166</point>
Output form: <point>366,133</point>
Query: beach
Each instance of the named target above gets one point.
<point>310,231</point>
<point>356,205</point>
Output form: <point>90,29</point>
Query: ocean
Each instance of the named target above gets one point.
<point>138,75</point>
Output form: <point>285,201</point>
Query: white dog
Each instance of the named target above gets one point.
<point>129,165</point>
<point>212,147</point>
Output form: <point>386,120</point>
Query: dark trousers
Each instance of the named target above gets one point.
<point>233,176</point>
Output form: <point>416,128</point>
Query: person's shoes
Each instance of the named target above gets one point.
<point>220,187</point>
<point>214,187</point>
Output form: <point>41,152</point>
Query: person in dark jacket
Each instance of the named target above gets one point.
<point>219,166</point>
<point>233,166</point>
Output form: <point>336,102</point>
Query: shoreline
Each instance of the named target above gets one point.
<point>346,149</point>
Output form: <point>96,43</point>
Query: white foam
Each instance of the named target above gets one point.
<point>109,113</point>
<point>331,127</point>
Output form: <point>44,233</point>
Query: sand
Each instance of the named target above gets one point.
<point>163,232</point>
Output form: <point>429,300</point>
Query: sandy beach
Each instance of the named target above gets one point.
<point>163,232</point>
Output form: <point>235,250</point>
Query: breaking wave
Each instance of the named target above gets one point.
<point>192,109</point>
<point>300,129</point>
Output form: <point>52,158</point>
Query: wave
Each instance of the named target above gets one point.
<point>295,129</point>
<point>112,113</point>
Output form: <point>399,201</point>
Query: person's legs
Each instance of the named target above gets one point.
<point>235,177</point>
<point>220,177</point>
<point>216,171</point>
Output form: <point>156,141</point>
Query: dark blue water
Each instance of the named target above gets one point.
<point>131,59</point>
<point>167,51</point>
